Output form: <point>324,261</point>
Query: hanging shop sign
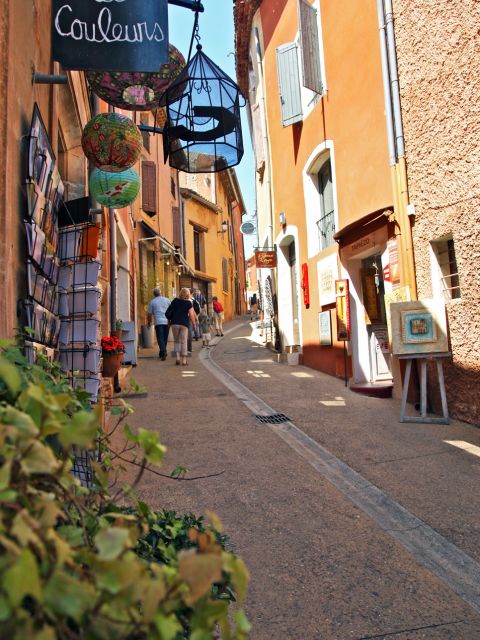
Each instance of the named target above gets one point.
<point>265,259</point>
<point>342,299</point>
<point>305,285</point>
<point>118,35</point>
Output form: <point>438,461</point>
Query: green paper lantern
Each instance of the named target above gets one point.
<point>112,142</point>
<point>114,190</point>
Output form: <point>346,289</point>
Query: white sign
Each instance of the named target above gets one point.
<point>327,274</point>
<point>247,228</point>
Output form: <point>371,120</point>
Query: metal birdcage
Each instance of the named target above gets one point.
<point>203,130</point>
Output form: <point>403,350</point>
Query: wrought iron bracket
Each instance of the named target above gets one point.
<point>194,5</point>
<point>49,78</point>
<point>146,127</point>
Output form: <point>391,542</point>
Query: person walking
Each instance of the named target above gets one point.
<point>198,296</point>
<point>180,313</point>
<point>204,323</point>
<point>218,314</point>
<point>191,330</point>
<point>156,313</point>
<point>253,307</point>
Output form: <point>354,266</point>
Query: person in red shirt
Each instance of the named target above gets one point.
<point>218,314</point>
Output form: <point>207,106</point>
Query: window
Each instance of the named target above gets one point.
<point>326,222</point>
<point>446,280</point>
<point>177,227</point>
<point>225,274</point>
<point>196,250</point>
<point>172,186</point>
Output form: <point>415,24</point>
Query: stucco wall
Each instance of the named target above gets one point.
<point>438,48</point>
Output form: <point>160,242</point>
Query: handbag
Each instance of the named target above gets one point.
<point>169,312</point>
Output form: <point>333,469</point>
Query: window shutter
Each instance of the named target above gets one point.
<point>177,227</point>
<point>257,135</point>
<point>310,43</point>
<point>225,274</point>
<point>289,84</point>
<point>149,187</point>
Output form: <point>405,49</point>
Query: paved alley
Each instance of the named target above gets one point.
<point>353,526</point>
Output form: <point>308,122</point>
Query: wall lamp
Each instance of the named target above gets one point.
<point>224,227</point>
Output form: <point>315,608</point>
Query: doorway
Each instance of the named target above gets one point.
<point>373,290</point>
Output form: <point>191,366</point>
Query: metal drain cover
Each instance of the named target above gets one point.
<point>276,418</point>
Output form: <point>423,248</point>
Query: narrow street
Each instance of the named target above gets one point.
<point>353,525</point>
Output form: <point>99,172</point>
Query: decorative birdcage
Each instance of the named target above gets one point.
<point>137,91</point>
<point>114,190</point>
<point>112,142</point>
<point>203,131</point>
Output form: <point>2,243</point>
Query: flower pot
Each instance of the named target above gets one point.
<point>112,364</point>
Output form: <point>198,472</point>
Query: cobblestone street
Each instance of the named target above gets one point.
<point>353,525</point>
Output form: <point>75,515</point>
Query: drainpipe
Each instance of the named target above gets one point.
<point>396,145</point>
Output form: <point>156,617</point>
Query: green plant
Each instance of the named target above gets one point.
<point>118,325</point>
<point>73,563</point>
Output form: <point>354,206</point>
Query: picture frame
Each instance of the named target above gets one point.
<point>325,328</point>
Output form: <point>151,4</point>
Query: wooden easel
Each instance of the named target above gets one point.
<point>423,418</point>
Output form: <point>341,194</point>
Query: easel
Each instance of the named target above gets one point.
<point>423,418</point>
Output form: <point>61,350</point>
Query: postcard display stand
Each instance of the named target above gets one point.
<point>79,306</point>
<point>62,305</point>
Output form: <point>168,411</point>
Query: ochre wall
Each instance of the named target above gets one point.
<point>351,114</point>
<point>438,50</point>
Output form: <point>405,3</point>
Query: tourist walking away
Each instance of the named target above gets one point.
<point>191,330</point>
<point>180,313</point>
<point>253,307</point>
<point>156,314</point>
<point>204,323</point>
<point>198,296</point>
<point>218,314</point>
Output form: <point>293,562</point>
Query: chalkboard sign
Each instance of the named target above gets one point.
<point>110,35</point>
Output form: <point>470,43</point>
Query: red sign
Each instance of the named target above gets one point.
<point>305,285</point>
<point>265,259</point>
<point>386,273</point>
<point>342,299</point>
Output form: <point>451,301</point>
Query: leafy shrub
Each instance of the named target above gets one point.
<point>73,563</point>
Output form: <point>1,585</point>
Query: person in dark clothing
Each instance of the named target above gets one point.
<point>180,313</point>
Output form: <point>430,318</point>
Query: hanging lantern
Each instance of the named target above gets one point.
<point>114,190</point>
<point>203,132</point>
<point>112,142</point>
<point>137,91</point>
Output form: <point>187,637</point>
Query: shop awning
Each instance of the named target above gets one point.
<point>170,248</point>
<point>361,225</point>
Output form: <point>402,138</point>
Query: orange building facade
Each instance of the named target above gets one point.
<point>325,197</point>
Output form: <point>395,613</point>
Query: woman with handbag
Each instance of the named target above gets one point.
<point>179,314</point>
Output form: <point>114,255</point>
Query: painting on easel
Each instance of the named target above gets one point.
<point>419,327</point>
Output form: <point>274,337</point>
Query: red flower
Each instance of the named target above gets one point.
<point>112,345</point>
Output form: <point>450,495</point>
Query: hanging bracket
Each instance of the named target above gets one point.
<point>194,5</point>
<point>146,127</point>
<point>49,78</point>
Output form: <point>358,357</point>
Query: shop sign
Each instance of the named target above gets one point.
<point>110,35</point>
<point>386,273</point>
<point>342,299</point>
<point>327,274</point>
<point>393,264</point>
<point>365,244</point>
<point>265,259</point>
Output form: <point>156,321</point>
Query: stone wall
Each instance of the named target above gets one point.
<point>438,50</point>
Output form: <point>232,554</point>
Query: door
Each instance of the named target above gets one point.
<point>292,261</point>
<point>375,318</point>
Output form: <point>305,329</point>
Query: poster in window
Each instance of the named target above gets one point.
<point>325,328</point>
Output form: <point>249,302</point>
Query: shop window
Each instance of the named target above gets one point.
<point>326,221</point>
<point>446,279</point>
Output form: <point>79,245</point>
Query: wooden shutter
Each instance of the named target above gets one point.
<point>257,134</point>
<point>310,43</point>
<point>149,187</point>
<point>289,84</point>
<point>177,227</point>
<point>225,274</point>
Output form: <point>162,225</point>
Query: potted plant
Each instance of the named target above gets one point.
<point>118,329</point>
<point>112,354</point>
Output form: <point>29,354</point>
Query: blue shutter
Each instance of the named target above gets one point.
<point>289,84</point>
<point>310,43</point>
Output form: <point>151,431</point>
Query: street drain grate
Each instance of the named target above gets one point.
<point>276,418</point>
